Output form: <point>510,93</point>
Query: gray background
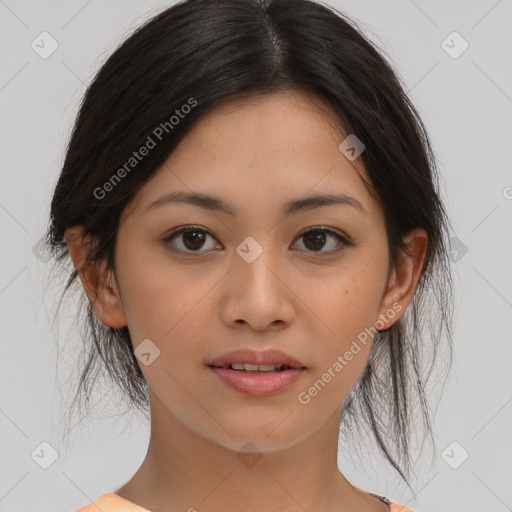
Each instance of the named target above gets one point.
<point>466,104</point>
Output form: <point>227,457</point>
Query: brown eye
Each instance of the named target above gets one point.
<point>193,239</point>
<point>316,239</point>
<point>189,239</point>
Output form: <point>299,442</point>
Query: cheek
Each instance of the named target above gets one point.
<point>171,308</point>
<point>347,303</point>
<point>156,295</point>
<point>348,306</point>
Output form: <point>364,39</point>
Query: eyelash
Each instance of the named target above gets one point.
<point>345,242</point>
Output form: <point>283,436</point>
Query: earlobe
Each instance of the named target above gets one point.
<point>98,282</point>
<point>404,279</point>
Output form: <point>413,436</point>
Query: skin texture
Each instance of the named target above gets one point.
<point>256,155</point>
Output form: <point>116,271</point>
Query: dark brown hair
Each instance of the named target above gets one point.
<point>214,51</point>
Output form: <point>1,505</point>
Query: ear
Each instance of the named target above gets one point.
<point>99,284</point>
<point>403,279</point>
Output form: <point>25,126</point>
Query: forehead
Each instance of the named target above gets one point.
<point>262,149</point>
<point>280,122</point>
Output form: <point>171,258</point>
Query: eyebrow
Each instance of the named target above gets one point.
<point>211,203</point>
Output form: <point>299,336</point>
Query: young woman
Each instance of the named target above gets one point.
<point>251,204</point>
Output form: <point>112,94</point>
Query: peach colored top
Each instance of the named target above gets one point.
<point>111,502</point>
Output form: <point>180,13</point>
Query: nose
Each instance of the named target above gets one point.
<point>259,293</point>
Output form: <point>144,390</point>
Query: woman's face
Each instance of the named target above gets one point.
<point>246,276</point>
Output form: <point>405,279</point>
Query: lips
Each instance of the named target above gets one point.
<point>266,357</point>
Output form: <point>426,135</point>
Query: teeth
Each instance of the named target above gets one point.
<point>255,367</point>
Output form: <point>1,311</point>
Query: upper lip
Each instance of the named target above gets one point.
<point>269,356</point>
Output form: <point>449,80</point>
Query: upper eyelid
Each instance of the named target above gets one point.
<point>319,227</point>
<point>180,230</point>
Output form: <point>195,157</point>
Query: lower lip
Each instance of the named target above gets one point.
<point>258,384</point>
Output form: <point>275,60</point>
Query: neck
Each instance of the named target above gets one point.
<point>183,470</point>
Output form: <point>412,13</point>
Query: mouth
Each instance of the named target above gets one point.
<point>258,383</point>
<point>248,360</point>
<point>257,374</point>
<point>257,368</point>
